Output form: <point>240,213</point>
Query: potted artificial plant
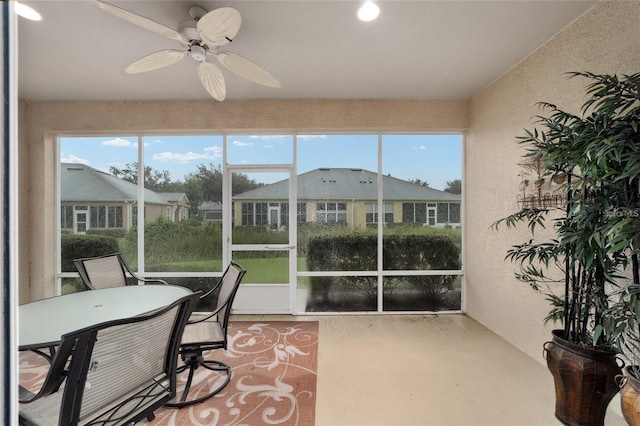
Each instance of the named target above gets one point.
<point>580,268</point>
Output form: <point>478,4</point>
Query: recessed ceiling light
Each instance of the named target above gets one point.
<point>27,12</point>
<point>368,11</point>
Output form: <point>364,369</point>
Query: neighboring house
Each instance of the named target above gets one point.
<point>211,211</point>
<point>179,203</point>
<point>347,196</point>
<point>92,199</point>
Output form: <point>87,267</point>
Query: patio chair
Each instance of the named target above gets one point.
<point>208,332</point>
<point>108,271</point>
<point>114,373</point>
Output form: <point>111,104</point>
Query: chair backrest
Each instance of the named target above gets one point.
<point>230,281</point>
<point>226,287</point>
<point>116,372</point>
<point>102,271</point>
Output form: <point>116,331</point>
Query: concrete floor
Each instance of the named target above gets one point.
<point>399,370</point>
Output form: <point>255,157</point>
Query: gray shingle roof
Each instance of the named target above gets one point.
<point>173,196</point>
<point>347,184</point>
<point>82,183</point>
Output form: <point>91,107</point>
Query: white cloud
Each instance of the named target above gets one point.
<point>217,150</point>
<point>73,159</point>
<point>269,146</point>
<point>180,158</point>
<point>421,147</point>
<point>119,142</point>
<point>240,143</point>
<point>312,136</point>
<point>122,143</point>
<point>267,137</point>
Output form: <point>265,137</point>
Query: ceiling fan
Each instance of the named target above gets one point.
<point>201,38</point>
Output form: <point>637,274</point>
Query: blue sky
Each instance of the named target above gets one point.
<point>432,158</point>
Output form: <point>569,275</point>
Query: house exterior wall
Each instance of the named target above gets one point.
<point>606,39</point>
<point>154,211</point>
<point>40,121</point>
<point>356,211</point>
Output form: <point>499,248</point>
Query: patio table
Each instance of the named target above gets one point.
<point>42,323</point>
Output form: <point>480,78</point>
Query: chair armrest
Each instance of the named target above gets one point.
<point>25,395</point>
<point>153,280</point>
<point>49,387</point>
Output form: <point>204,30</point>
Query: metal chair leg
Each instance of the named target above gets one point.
<point>192,363</point>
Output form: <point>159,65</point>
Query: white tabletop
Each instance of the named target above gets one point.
<point>43,322</point>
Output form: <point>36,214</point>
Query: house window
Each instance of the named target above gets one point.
<point>302,213</point>
<point>247,214</point>
<point>414,212</point>
<point>284,213</point>
<point>98,217</point>
<point>105,216</point>
<point>331,212</point>
<point>66,217</point>
<point>255,214</point>
<point>454,213</point>
<point>114,217</point>
<point>262,214</point>
<point>443,213</point>
<point>372,212</point>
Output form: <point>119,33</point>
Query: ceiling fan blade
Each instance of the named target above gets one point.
<point>219,26</point>
<point>140,21</point>
<point>247,69</point>
<point>156,60</point>
<point>212,80</point>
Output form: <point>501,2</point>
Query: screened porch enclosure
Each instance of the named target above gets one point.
<point>377,228</point>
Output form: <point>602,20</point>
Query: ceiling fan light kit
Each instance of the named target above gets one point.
<point>201,38</point>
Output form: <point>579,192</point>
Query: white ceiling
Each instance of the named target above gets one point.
<point>317,49</point>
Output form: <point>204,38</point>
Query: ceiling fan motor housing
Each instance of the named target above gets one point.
<point>198,52</point>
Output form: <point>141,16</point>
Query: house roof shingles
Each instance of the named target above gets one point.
<point>82,183</point>
<point>347,184</point>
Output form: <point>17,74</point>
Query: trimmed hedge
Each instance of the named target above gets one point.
<point>76,246</point>
<point>115,233</point>
<point>400,252</point>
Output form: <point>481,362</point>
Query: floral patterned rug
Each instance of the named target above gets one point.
<point>274,371</point>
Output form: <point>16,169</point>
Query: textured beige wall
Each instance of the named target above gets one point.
<point>42,120</point>
<point>606,39</point>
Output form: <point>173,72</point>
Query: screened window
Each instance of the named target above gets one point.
<point>247,214</point>
<point>331,212</point>
<point>302,212</point>
<point>114,217</point>
<point>66,217</point>
<point>255,214</point>
<point>407,176</point>
<point>372,212</point>
<point>98,216</point>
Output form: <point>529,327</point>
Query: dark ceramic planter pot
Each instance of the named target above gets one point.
<point>584,380</point>
<point>629,396</point>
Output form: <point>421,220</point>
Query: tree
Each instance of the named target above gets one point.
<point>420,182</point>
<point>192,188</point>
<point>155,180</point>
<point>454,186</point>
<point>211,180</point>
